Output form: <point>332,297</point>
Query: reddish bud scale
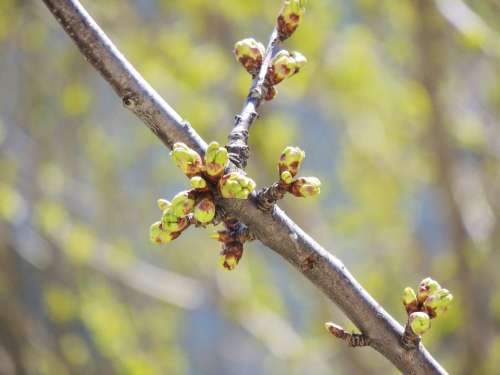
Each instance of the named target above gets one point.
<point>412,307</point>
<point>231,253</point>
<point>285,30</point>
<point>251,65</point>
<point>273,77</point>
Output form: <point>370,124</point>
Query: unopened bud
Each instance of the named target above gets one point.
<point>282,66</point>
<point>427,287</point>
<point>249,53</point>
<point>198,183</point>
<point>419,322</point>
<point>306,187</point>
<point>410,300</point>
<point>204,211</point>
<point>158,235</point>
<point>286,177</point>
<point>173,223</point>
<point>300,60</point>
<point>187,159</point>
<point>236,185</point>
<point>163,204</point>
<point>231,255</point>
<point>290,17</point>
<point>182,204</point>
<point>438,302</point>
<point>216,159</point>
<point>290,160</point>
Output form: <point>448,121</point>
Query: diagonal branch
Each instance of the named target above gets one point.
<point>274,229</point>
<point>238,138</point>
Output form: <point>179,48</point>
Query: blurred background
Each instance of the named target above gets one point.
<point>398,111</point>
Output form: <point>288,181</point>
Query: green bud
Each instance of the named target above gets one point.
<point>231,255</point>
<point>249,53</point>
<point>427,287</point>
<point>187,159</point>
<point>306,187</point>
<point>173,223</point>
<point>286,177</point>
<point>182,204</point>
<point>438,302</point>
<point>282,66</point>
<point>236,185</point>
<point>229,262</point>
<point>204,211</point>
<point>290,160</point>
<point>158,235</point>
<point>216,159</point>
<point>300,60</point>
<point>409,299</point>
<point>163,204</point>
<point>198,182</point>
<point>290,17</point>
<point>419,322</point>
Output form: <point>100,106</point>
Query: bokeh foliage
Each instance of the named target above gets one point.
<point>397,111</point>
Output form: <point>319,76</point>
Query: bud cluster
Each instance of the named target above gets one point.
<point>197,206</point>
<point>429,302</point>
<point>251,53</point>
<point>288,167</point>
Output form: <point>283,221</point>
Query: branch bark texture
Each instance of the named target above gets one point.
<point>238,138</point>
<point>274,228</point>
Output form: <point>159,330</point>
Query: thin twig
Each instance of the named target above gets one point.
<point>238,138</point>
<point>275,230</point>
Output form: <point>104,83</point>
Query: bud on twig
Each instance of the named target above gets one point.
<point>236,185</point>
<point>282,66</point>
<point>306,187</point>
<point>231,255</point>
<point>204,211</point>
<point>290,17</point>
<point>173,223</point>
<point>419,322</point>
<point>290,161</point>
<point>438,302</point>
<point>216,159</point>
<point>286,177</point>
<point>249,53</point>
<point>163,204</point>
<point>187,159</point>
<point>300,61</point>
<point>410,300</point>
<point>182,204</point>
<point>160,236</point>
<point>198,183</point>
<point>427,286</point>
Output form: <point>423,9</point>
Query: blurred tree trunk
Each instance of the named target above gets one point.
<point>433,51</point>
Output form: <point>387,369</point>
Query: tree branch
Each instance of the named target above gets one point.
<point>238,138</point>
<point>273,229</point>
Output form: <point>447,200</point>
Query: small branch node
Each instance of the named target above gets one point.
<point>410,340</point>
<point>352,339</point>
<point>268,196</point>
